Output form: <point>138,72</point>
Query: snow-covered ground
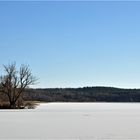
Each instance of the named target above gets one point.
<point>72,121</point>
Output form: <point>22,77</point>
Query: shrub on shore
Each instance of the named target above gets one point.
<point>25,105</point>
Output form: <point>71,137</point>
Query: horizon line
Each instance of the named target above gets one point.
<point>83,87</point>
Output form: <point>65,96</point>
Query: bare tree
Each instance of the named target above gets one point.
<point>14,83</point>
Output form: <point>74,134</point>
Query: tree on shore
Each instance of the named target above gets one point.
<point>14,83</point>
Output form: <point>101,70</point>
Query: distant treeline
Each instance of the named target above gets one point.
<point>86,94</point>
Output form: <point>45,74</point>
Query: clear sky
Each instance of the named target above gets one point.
<point>73,44</point>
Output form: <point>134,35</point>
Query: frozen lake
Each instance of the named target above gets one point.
<point>72,121</point>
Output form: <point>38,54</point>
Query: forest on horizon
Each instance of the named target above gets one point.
<point>85,94</point>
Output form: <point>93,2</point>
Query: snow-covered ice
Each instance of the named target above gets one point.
<point>72,121</point>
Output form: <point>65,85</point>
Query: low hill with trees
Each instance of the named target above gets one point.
<point>86,94</point>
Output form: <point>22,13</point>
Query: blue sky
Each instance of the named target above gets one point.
<point>73,44</point>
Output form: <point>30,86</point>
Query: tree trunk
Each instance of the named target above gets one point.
<point>12,105</point>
